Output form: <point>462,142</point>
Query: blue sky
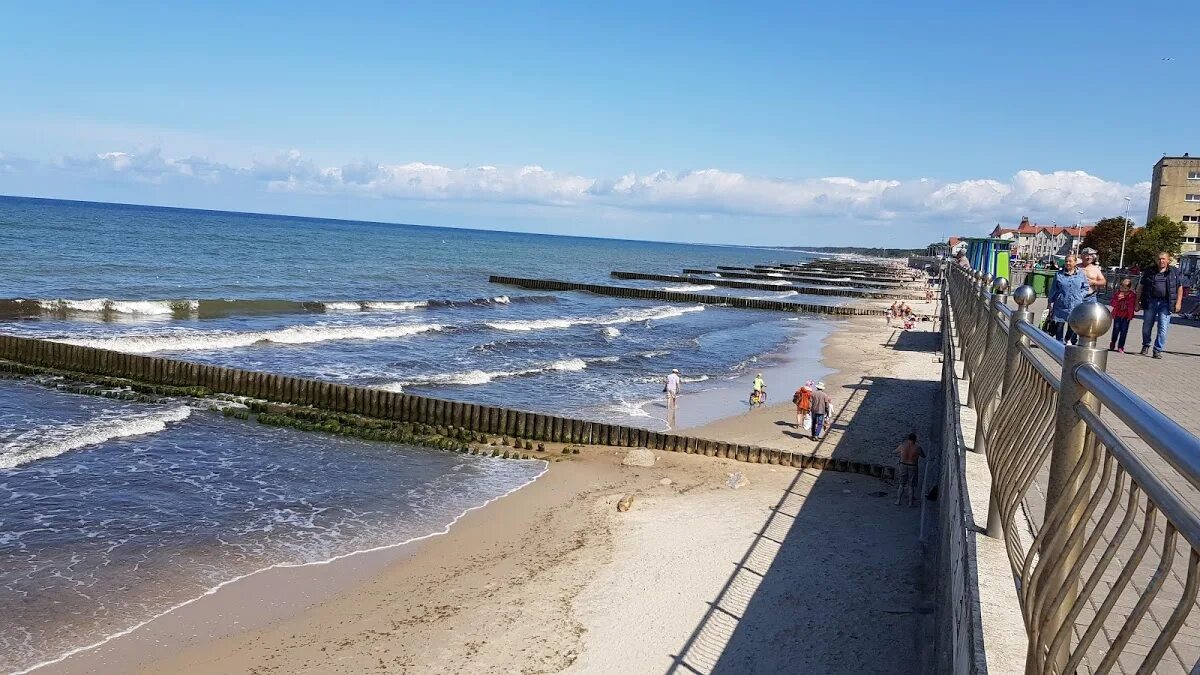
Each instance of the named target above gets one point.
<point>777,123</point>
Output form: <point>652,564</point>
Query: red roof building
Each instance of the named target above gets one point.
<point>1031,240</point>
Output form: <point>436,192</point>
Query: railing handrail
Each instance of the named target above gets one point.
<point>1062,449</point>
<point>1055,349</point>
<point>1181,514</point>
<point>1164,435</point>
<point>1179,447</point>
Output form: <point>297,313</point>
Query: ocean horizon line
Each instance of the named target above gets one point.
<point>325,219</point>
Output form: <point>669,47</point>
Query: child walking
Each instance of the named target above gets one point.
<point>1124,306</point>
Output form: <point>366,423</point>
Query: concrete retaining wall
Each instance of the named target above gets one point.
<point>676,296</point>
<point>84,361</point>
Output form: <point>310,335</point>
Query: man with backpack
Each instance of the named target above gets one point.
<point>803,400</point>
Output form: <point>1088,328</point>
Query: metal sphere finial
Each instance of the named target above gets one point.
<point>1090,320</point>
<point>1000,286</point>
<point>1024,295</point>
<point>987,281</point>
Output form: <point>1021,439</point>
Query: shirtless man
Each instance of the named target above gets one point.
<point>1092,272</point>
<point>906,477</point>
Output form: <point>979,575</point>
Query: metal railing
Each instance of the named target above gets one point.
<point>958,638</point>
<point>1086,489</point>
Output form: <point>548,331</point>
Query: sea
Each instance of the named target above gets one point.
<point>113,513</point>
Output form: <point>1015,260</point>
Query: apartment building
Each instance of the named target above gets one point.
<point>1175,193</point>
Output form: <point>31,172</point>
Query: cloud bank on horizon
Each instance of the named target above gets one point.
<point>925,207</point>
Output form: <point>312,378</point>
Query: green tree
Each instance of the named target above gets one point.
<point>1105,237</point>
<point>1160,234</point>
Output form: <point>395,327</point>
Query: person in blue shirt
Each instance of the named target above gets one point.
<point>1068,290</point>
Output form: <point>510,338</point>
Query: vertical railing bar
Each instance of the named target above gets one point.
<point>1177,618</point>
<point>1143,603</point>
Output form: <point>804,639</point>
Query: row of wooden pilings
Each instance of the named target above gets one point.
<point>801,279</point>
<point>377,403</point>
<point>731,283</point>
<point>870,272</point>
<point>677,296</point>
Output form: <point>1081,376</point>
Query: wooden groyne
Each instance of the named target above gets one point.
<point>677,296</point>
<point>820,281</point>
<point>730,283</point>
<point>822,272</point>
<point>201,379</point>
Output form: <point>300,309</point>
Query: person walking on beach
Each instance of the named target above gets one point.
<point>1162,290</point>
<point>821,404</point>
<point>672,391</point>
<point>1124,305</point>
<point>1067,292</point>
<point>906,477</point>
<point>803,400</point>
<point>1092,271</point>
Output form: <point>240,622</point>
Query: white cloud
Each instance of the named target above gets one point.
<point>962,204</point>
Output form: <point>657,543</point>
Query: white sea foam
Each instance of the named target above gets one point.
<point>501,300</point>
<point>98,305</point>
<point>701,378</point>
<point>611,332</point>
<point>475,377</point>
<point>776,296</point>
<point>623,316</point>
<point>44,443</point>
<point>393,306</point>
<point>689,288</point>
<point>210,341</point>
<point>773,282</point>
<point>344,306</point>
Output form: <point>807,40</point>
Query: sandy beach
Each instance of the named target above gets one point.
<point>792,571</point>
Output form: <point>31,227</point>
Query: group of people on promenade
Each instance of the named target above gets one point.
<point>1160,294</point>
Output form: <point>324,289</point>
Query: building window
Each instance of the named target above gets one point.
<point>1192,197</point>
<point>1191,219</point>
<point>1194,175</point>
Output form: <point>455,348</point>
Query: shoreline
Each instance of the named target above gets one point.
<point>798,358</point>
<point>796,352</point>
<point>575,495</point>
<point>395,549</point>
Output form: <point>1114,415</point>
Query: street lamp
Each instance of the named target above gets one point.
<point>1078,224</point>
<point>1124,233</point>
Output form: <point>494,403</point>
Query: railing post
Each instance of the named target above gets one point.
<point>974,353</point>
<point>1089,320</point>
<point>1024,297</point>
<point>966,313</point>
<point>983,414</point>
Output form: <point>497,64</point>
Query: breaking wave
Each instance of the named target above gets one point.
<point>214,340</point>
<point>475,377</point>
<point>689,288</point>
<point>623,316</point>
<point>44,443</point>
